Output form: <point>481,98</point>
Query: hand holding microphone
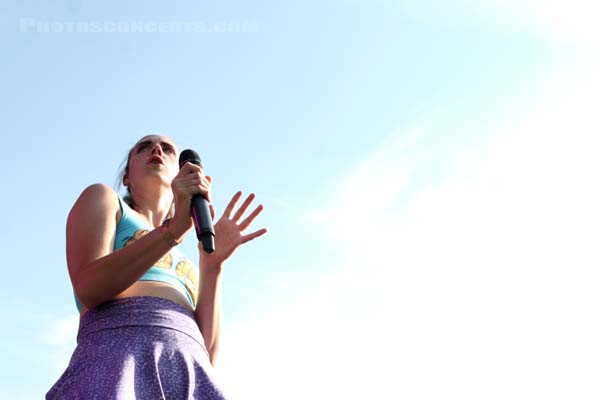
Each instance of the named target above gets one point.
<point>229,228</point>
<point>205,231</point>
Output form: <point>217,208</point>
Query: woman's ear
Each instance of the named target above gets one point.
<point>125,180</point>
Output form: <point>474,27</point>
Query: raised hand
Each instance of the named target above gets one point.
<point>229,230</point>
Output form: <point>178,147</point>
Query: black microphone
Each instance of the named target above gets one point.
<point>200,211</point>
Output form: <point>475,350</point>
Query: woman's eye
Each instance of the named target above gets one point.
<point>142,147</point>
<point>169,149</point>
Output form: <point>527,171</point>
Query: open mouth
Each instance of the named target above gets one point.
<point>156,160</point>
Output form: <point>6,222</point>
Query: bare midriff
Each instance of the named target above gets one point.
<point>152,288</point>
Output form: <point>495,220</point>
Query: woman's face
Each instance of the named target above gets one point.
<point>152,158</point>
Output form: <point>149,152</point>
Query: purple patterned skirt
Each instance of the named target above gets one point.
<point>138,348</point>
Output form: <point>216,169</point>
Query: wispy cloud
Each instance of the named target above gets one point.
<point>62,331</point>
<point>480,287</point>
<point>567,22</point>
<point>563,20</point>
<point>59,338</point>
<point>358,202</point>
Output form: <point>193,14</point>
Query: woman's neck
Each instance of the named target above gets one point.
<point>154,207</point>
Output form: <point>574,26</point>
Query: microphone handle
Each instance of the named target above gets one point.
<point>205,232</point>
<point>208,243</point>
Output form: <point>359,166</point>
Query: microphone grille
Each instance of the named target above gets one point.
<point>189,155</point>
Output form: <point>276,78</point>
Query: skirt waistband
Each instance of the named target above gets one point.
<point>139,311</point>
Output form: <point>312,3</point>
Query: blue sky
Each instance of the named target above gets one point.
<point>428,171</point>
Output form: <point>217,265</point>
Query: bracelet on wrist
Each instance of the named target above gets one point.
<point>164,228</point>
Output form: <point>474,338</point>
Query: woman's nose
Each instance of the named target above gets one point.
<point>156,149</point>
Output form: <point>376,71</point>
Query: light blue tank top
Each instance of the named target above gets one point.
<point>173,268</point>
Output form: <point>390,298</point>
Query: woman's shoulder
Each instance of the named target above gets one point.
<point>99,189</point>
<point>98,197</point>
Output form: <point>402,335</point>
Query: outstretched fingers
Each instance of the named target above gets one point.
<point>253,235</point>
<point>232,203</point>
<point>249,219</point>
<point>246,222</point>
<point>243,207</point>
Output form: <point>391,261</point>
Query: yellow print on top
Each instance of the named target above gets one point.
<point>186,270</point>
<point>165,261</point>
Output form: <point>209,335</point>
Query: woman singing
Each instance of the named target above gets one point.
<point>150,318</point>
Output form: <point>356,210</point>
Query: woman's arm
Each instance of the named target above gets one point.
<point>97,273</point>
<point>228,237</point>
<point>208,309</point>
